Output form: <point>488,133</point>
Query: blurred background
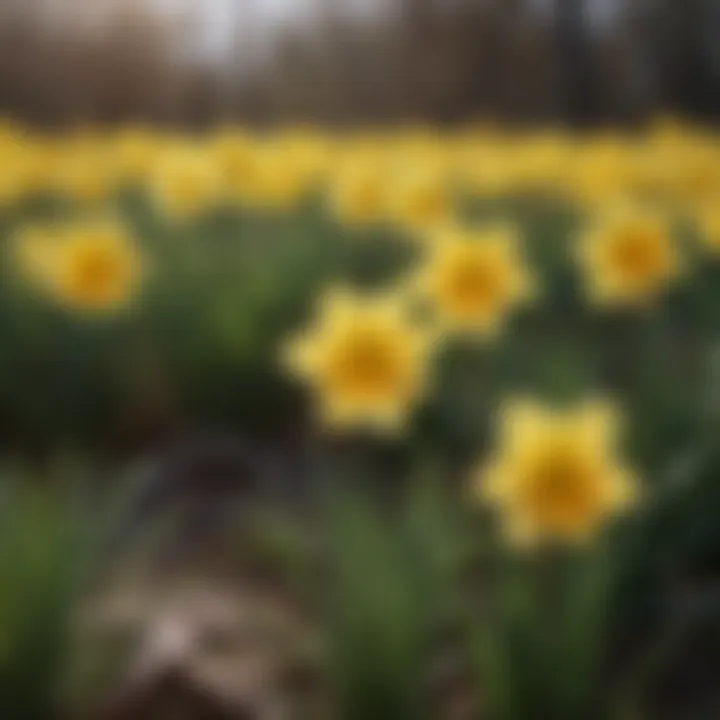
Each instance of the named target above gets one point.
<point>358,60</point>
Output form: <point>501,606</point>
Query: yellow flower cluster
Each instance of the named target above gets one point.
<point>415,179</point>
<point>367,357</point>
<point>409,176</point>
<point>556,474</point>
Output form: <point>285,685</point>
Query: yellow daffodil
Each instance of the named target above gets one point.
<point>419,197</point>
<point>280,179</point>
<point>134,153</point>
<point>628,256</point>
<point>556,474</point>
<point>473,277</point>
<point>491,169</point>
<point>359,191</point>
<point>601,172</point>
<point>365,360</point>
<point>309,153</point>
<point>96,267</point>
<point>543,162</point>
<point>186,182</point>
<point>275,172</point>
<point>237,160</point>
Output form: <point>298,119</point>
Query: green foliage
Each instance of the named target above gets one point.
<point>393,586</point>
<point>45,546</point>
<point>540,638</point>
